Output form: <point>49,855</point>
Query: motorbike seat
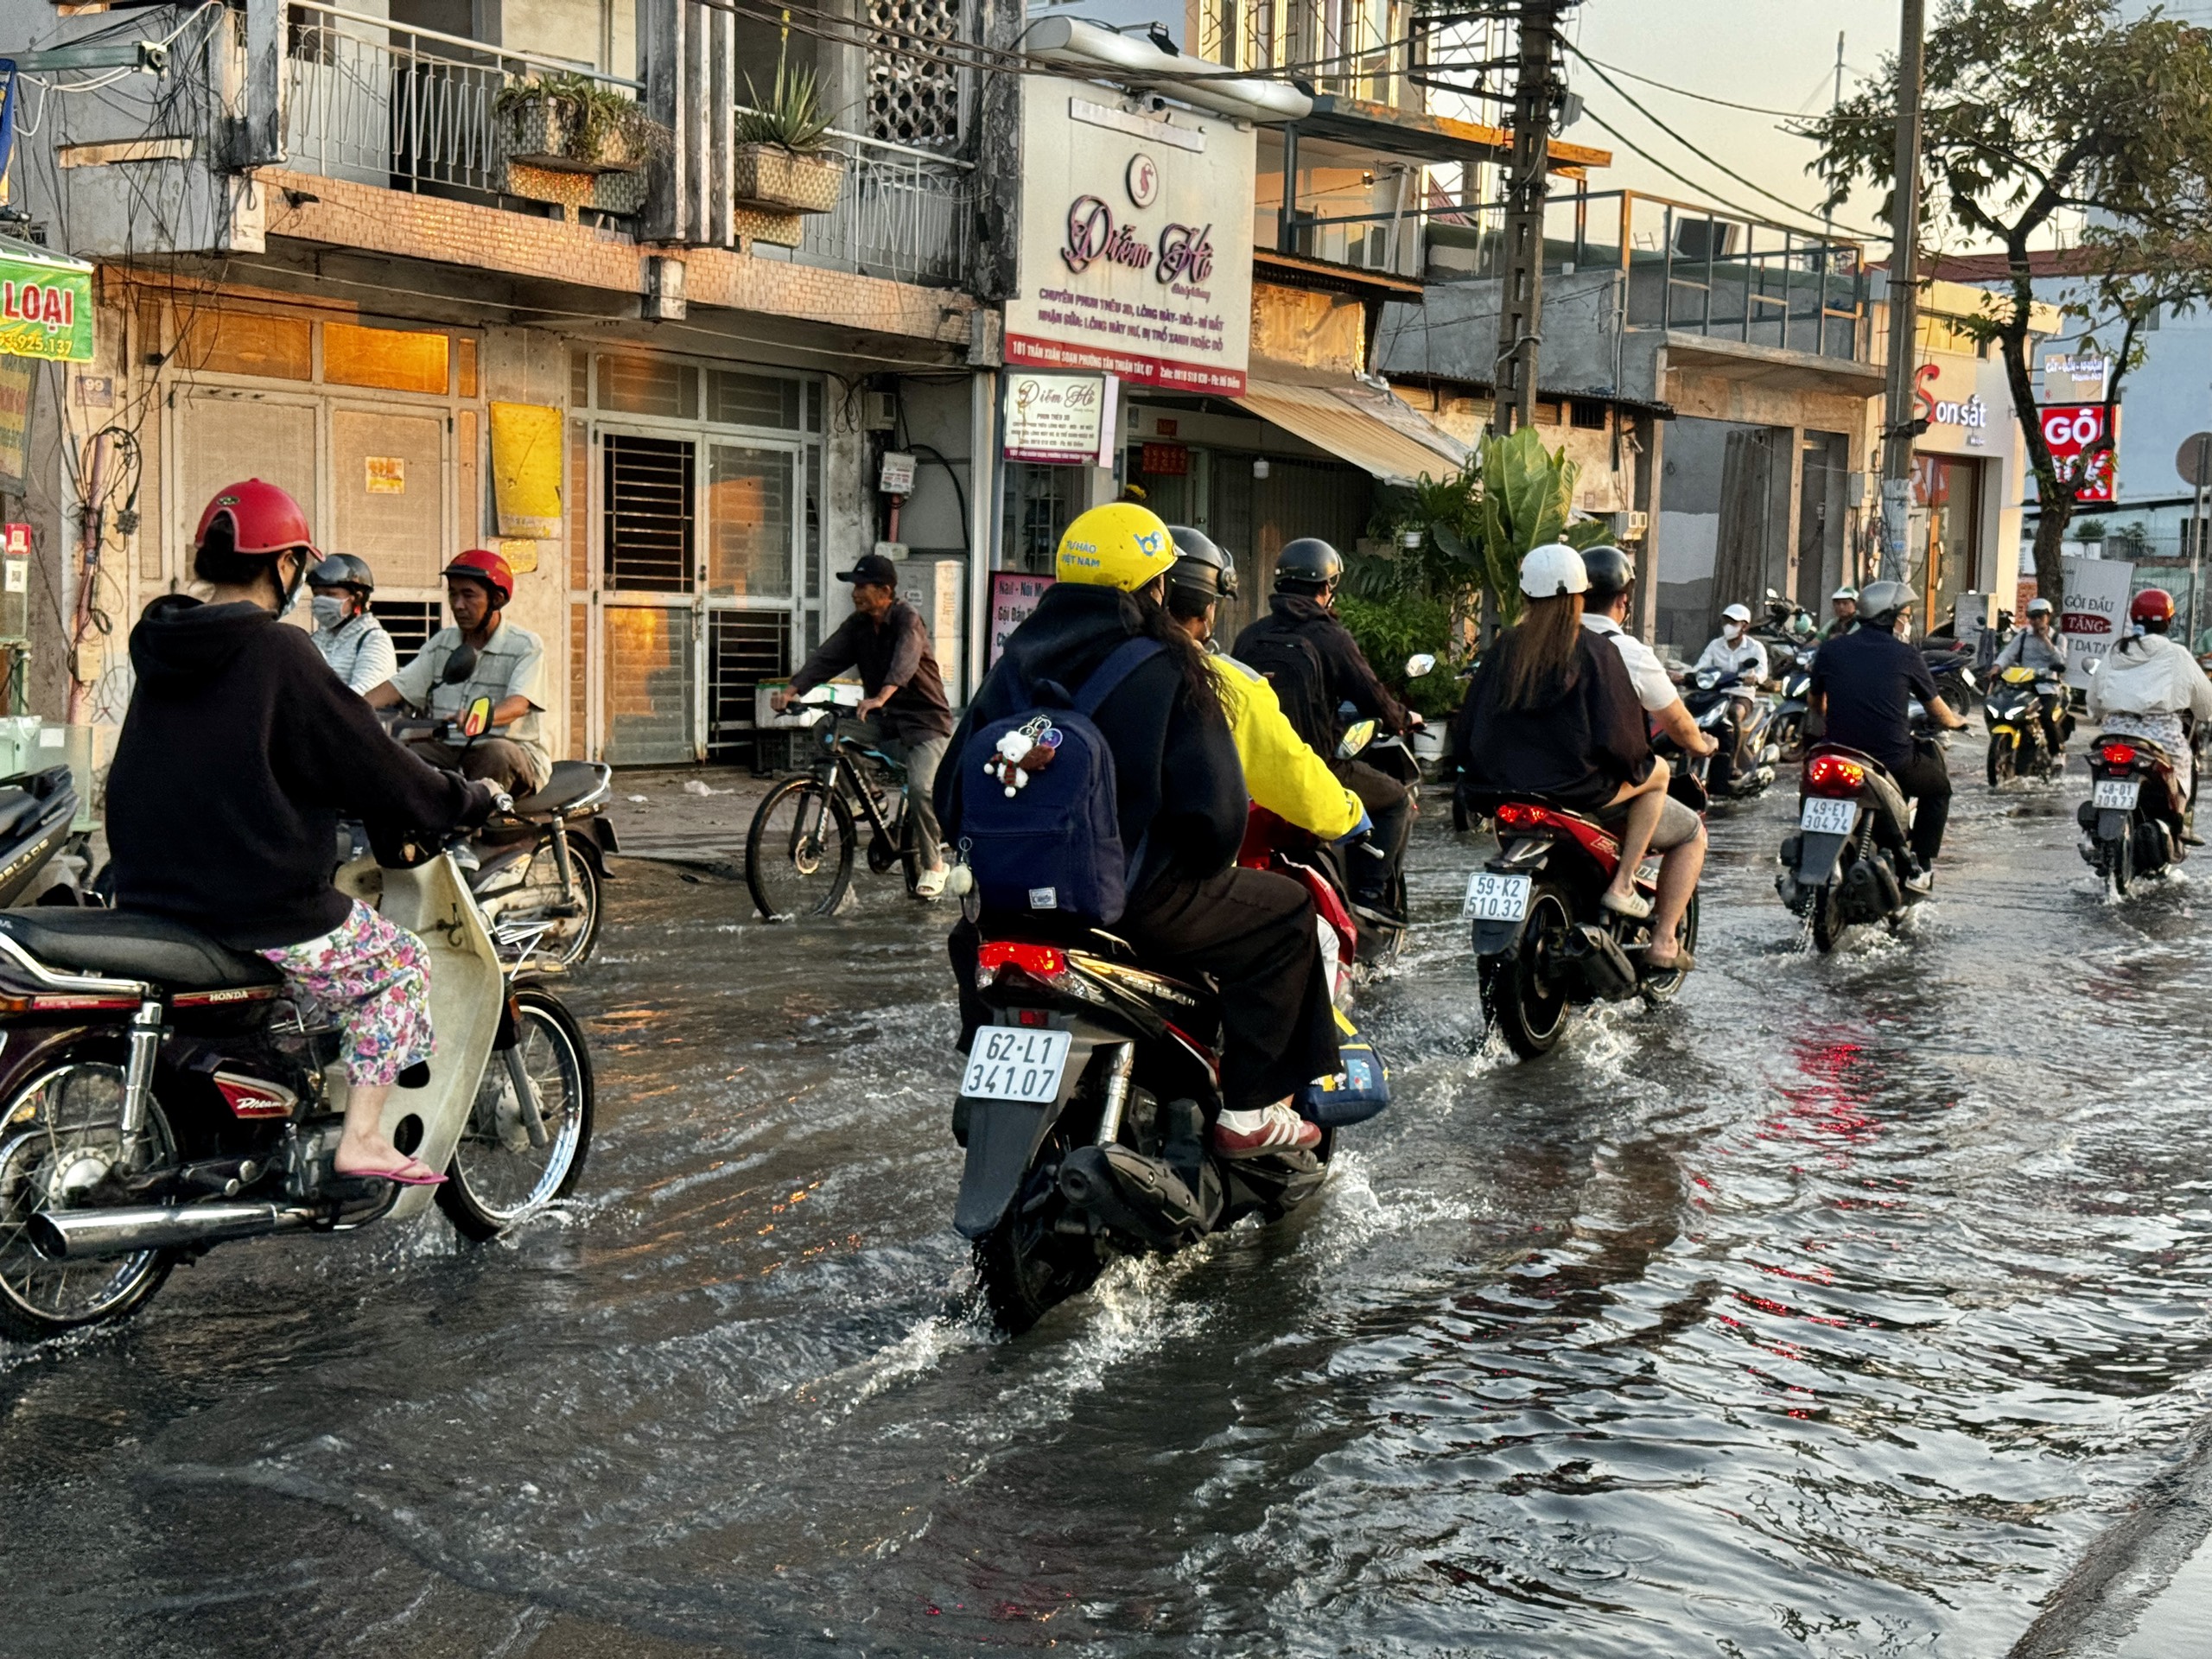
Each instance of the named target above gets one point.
<point>18,810</point>
<point>123,944</point>
<point>569,782</point>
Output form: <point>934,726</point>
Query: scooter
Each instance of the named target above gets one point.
<point>1739,719</point>
<point>41,861</point>
<point>2014,706</point>
<point>1786,730</point>
<point>1850,863</point>
<point>161,1094</point>
<point>2130,827</point>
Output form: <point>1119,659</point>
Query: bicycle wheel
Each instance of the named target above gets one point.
<point>798,854</point>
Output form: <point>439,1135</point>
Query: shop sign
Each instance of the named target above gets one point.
<point>46,307</point>
<point>1968,411</point>
<point>387,474</point>
<point>1164,460</point>
<point>2094,613</point>
<point>1064,420</point>
<point>18,379</point>
<point>2075,380</point>
<point>2070,429</point>
<point>1014,594</point>
<point>1134,255</point>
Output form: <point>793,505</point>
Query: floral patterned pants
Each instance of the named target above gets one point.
<point>374,979</point>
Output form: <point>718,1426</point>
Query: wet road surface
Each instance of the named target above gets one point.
<point>1838,1309</point>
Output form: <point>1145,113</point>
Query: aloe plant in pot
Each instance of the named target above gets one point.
<point>571,123</point>
<point>783,161</point>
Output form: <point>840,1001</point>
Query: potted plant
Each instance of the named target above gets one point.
<point>571,123</point>
<point>783,162</point>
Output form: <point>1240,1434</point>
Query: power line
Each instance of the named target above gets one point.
<point>1684,91</point>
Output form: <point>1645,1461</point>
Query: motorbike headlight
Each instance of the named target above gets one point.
<point>1713,715</point>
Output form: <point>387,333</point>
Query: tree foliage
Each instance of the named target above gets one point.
<point>2043,120</point>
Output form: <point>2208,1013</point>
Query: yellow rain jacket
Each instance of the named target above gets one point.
<point>1281,771</point>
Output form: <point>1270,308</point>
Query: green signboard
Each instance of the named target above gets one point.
<point>46,306</point>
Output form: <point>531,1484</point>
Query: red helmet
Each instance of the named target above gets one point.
<point>488,568</point>
<point>263,519</point>
<point>2152,605</point>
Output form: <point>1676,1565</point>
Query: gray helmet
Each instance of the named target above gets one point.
<point>1309,561</point>
<point>1201,566</point>
<point>1879,603</point>
<point>343,570</point>
<point>1612,574</point>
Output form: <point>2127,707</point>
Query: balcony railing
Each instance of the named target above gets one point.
<point>903,215</point>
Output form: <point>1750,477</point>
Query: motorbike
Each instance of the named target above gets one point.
<point>1849,860</point>
<point>1740,721</point>
<point>536,867</point>
<point>1952,666</point>
<point>1789,633</point>
<point>1085,1113</point>
<point>1786,730</point>
<point>42,860</point>
<point>2130,827</point>
<point>161,1094</point>
<point>1543,944</point>
<point>1381,930</point>
<point>2014,706</point>
<point>1351,946</point>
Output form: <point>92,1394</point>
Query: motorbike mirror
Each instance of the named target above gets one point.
<point>476,719</point>
<point>1358,736</point>
<point>461,664</point>
<point>1419,663</point>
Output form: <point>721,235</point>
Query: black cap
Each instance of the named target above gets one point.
<point>872,567</point>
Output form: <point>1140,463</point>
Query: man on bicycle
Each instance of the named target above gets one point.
<point>905,708</point>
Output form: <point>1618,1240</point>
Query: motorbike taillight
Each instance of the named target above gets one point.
<point>2116,754</point>
<point>1831,774</point>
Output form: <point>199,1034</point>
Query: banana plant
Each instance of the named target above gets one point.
<point>1526,499</point>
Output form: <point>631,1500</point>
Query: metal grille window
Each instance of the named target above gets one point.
<point>910,100</point>
<point>410,622</point>
<point>744,648</point>
<point>648,529</point>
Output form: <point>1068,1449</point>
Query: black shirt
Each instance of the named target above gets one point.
<point>892,652</point>
<point>1577,750</point>
<point>1869,676</point>
<point>1350,679</point>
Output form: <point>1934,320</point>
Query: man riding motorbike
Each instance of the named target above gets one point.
<point>350,640</point>
<point>2037,647</point>
<point>1735,652</point>
<point>1844,603</point>
<point>1181,807</point>
<point>237,728</point>
<point>510,660</point>
<point>1552,711</point>
<point>2147,682</point>
<point>1307,571</point>
<point>1863,684</point>
<point>1281,771</point>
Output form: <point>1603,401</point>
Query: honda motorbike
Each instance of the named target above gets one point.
<point>2015,707</point>
<point>2130,827</point>
<point>1086,1111</point>
<point>1544,946</point>
<point>161,1094</point>
<point>1739,719</point>
<point>1850,862</point>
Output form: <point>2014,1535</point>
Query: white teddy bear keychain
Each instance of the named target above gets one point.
<point>1022,752</point>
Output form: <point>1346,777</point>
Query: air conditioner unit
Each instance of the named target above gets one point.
<point>880,412</point>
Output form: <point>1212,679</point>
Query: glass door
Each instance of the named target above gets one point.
<point>754,579</point>
<point>649,579</point>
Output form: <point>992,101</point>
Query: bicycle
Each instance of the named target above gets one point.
<point>798,853</point>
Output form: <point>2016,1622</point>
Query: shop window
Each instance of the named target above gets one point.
<point>749,521</point>
<point>465,367</point>
<point>744,648</point>
<point>1587,413</point>
<point>735,399</point>
<point>391,359</point>
<point>648,385</point>
<point>648,529</point>
<point>410,622</point>
<point>244,342</point>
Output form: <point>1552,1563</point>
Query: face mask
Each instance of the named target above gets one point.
<point>292,593</point>
<point>1731,630</point>
<point>329,612</point>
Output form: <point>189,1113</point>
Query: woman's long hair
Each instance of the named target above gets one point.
<point>1200,692</point>
<point>1535,658</point>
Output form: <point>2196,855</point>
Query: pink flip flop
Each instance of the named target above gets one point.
<point>403,1176</point>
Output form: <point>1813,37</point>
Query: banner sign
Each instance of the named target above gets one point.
<point>1133,253</point>
<point>2094,618</point>
<point>526,470</point>
<point>2069,429</point>
<point>1014,594</point>
<point>46,306</point>
<point>1065,419</point>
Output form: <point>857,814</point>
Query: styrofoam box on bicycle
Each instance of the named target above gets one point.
<point>848,694</point>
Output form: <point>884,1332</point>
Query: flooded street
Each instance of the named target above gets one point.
<point>1839,1308</point>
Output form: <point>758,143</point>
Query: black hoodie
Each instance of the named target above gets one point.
<point>240,755</point>
<point>1175,768</point>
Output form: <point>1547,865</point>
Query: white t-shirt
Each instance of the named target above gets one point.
<point>1645,671</point>
<point>1746,657</point>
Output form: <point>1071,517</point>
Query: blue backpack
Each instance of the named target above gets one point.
<point>1040,823</point>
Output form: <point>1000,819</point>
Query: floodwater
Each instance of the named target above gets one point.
<point>1838,1309</point>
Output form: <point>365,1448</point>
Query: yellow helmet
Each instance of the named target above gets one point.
<point>1121,546</point>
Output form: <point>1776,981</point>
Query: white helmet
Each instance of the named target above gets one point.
<point>1738,613</point>
<point>2038,606</point>
<point>1844,592</point>
<point>1553,571</point>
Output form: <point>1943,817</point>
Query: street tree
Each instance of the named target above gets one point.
<point>2047,121</point>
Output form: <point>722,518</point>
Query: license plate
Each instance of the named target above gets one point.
<point>1824,816</point>
<point>2118,794</point>
<point>1007,1064</point>
<point>1493,898</point>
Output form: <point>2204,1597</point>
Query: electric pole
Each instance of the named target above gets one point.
<point>1904,297</point>
<point>1521,301</point>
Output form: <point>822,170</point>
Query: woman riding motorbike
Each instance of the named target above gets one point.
<point>1181,808</point>
<point>238,729</point>
<point>1552,712</point>
<point>2146,683</point>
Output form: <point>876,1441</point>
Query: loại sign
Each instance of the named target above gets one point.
<point>46,306</point>
<point>1134,257</point>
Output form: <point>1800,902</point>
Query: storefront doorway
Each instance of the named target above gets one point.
<point>1949,488</point>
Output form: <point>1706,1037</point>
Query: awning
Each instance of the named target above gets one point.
<point>1358,423</point>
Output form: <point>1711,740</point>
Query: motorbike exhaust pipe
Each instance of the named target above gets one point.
<point>87,1235</point>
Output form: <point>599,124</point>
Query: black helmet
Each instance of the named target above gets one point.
<point>1879,602</point>
<point>343,570</point>
<point>1611,573</point>
<point>1200,566</point>
<point>1309,561</point>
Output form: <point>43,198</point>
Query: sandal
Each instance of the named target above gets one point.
<point>1635,906</point>
<point>1680,963</point>
<point>413,1172</point>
